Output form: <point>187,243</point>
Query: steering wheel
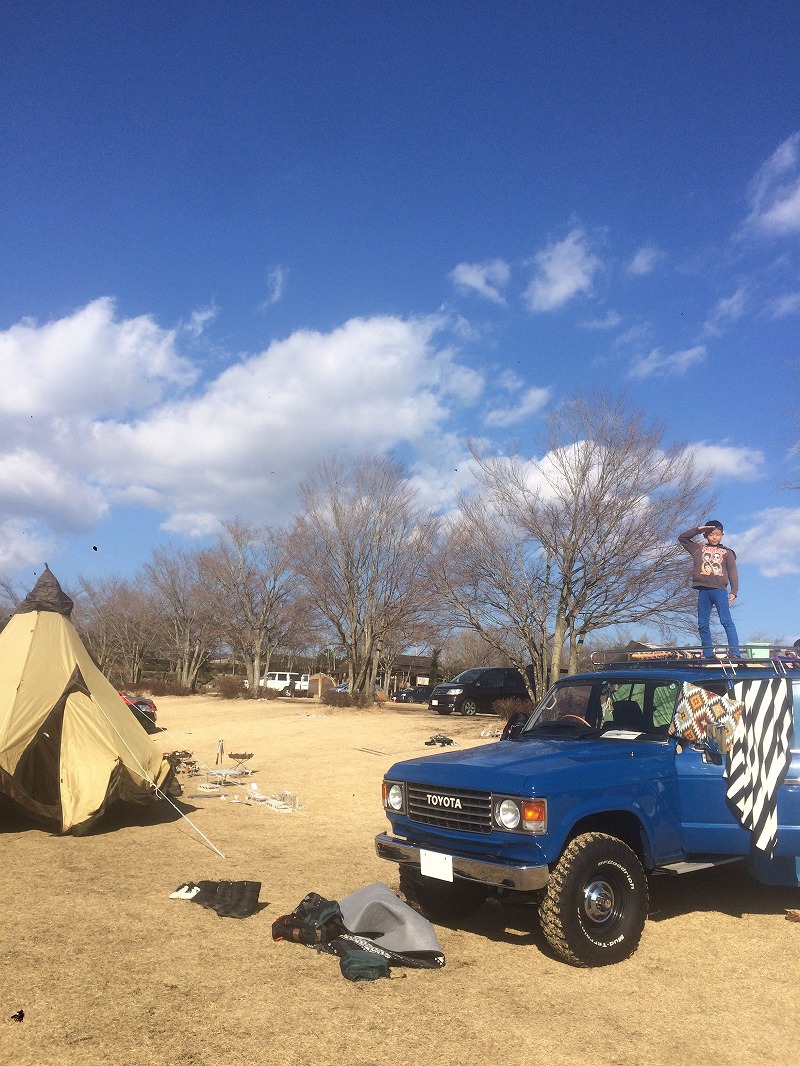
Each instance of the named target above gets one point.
<point>574,718</point>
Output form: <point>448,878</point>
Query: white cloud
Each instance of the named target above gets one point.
<point>200,319</point>
<point>87,363</point>
<point>38,487</point>
<point>645,260</point>
<point>636,336</point>
<point>239,444</point>
<point>609,321</point>
<point>726,462</point>
<point>773,543</point>
<point>510,381</point>
<point>775,192</point>
<point>782,306</point>
<point>656,364</point>
<point>487,279</point>
<point>276,284</point>
<point>563,270</point>
<point>439,476</point>
<point>23,544</point>
<point>531,403</point>
<point>726,311</point>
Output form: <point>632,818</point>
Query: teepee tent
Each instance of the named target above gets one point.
<point>69,746</point>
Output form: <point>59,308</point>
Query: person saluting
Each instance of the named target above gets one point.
<point>714,569</point>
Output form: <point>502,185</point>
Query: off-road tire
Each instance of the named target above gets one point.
<point>286,691</point>
<point>440,901</point>
<point>595,907</point>
<point>469,708</point>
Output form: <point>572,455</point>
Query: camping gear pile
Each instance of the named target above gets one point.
<point>69,745</point>
<point>369,931</point>
<point>229,899</point>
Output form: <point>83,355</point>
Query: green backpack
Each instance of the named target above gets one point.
<point>361,965</point>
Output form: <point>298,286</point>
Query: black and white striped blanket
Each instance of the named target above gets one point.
<point>759,757</point>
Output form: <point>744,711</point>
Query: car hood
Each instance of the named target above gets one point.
<point>521,766</point>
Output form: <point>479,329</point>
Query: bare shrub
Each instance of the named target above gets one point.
<point>233,688</point>
<point>331,698</point>
<point>505,708</point>
<point>348,699</point>
<point>160,687</point>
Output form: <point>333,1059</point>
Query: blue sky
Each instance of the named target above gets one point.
<point>236,239</point>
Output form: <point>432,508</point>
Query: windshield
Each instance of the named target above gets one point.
<point>466,677</point>
<point>612,706</point>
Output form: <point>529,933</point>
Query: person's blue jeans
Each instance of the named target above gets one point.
<point>706,599</point>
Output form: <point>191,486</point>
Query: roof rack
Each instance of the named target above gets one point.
<point>755,656</point>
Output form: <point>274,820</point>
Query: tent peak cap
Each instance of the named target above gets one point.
<point>47,595</point>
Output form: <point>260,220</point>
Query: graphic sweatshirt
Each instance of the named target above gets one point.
<point>714,564</point>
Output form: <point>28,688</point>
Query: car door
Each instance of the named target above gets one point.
<point>491,689</point>
<point>708,825</point>
<point>514,685</point>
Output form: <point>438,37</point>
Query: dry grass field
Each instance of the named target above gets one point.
<point>109,970</point>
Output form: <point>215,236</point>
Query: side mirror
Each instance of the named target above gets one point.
<point>514,725</point>
<point>717,744</point>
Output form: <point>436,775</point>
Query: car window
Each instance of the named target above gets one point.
<point>514,681</point>
<point>577,699</point>
<point>630,692</point>
<point>494,679</point>
<point>665,698</point>
<point>630,704</point>
<point>467,677</point>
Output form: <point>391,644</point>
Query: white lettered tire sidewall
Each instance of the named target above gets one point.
<point>595,908</point>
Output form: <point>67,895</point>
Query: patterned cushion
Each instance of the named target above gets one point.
<point>700,711</point>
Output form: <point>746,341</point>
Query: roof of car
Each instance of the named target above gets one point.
<point>686,664</point>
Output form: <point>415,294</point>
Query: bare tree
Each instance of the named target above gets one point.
<point>117,618</point>
<point>586,537</point>
<point>188,614</point>
<point>256,594</point>
<point>362,545</point>
<point>9,599</point>
<point>496,581</point>
<point>465,648</point>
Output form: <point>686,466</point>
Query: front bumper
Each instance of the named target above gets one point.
<point>501,875</point>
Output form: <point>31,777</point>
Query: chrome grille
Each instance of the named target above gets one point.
<point>453,808</point>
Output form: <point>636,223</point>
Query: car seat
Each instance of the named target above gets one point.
<point>627,714</point>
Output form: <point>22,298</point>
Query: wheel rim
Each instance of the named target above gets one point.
<point>469,708</point>
<point>600,904</point>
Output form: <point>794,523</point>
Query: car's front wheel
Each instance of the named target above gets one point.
<point>469,708</point>
<point>441,901</point>
<point>595,907</point>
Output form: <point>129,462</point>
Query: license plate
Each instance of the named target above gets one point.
<point>432,864</point>
<point>434,703</point>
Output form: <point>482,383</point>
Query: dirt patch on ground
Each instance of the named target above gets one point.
<point>109,970</point>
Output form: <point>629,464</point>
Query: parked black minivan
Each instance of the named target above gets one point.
<point>478,689</point>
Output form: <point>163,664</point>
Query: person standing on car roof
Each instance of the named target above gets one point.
<point>713,570</point>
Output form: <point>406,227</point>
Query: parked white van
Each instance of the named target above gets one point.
<point>284,681</point>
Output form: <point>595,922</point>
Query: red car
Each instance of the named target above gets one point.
<point>144,709</point>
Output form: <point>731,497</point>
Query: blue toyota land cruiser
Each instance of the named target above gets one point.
<point>659,761</point>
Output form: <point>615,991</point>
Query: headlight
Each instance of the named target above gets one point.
<point>454,691</point>
<point>507,814</point>
<point>392,796</point>
<point>520,815</point>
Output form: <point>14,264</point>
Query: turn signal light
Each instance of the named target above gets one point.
<point>534,815</point>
